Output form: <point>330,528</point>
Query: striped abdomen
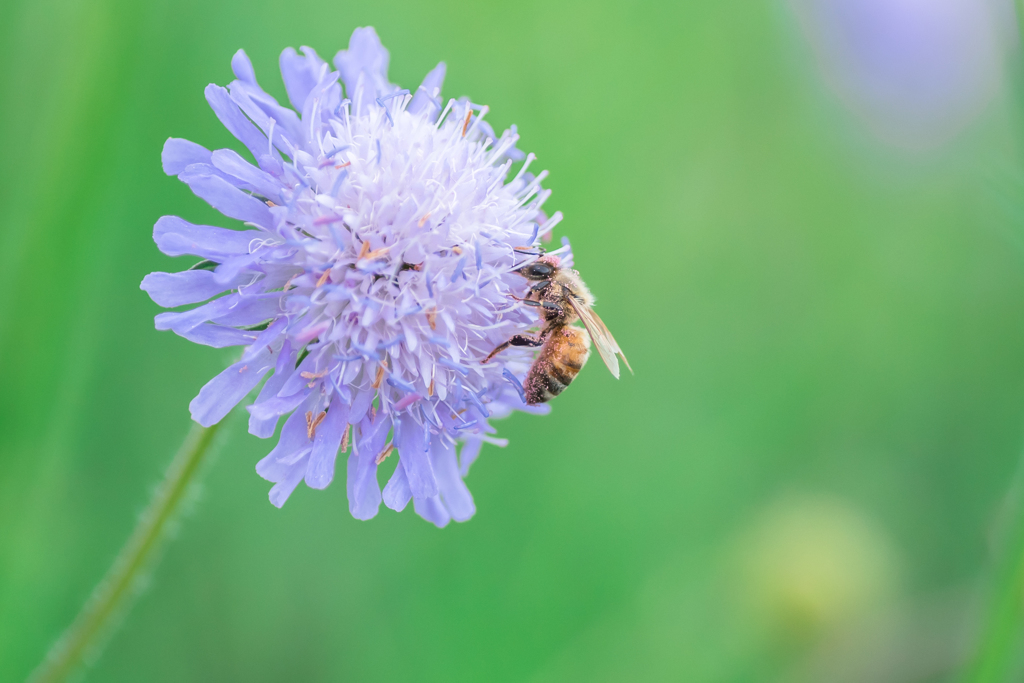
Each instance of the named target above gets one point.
<point>561,358</point>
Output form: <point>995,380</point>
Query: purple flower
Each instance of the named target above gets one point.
<point>917,71</point>
<point>374,272</point>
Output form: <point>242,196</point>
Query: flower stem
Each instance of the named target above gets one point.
<point>125,576</point>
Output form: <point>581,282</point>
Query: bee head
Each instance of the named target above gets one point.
<point>541,269</point>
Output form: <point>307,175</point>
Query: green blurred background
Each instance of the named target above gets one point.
<point>803,481</point>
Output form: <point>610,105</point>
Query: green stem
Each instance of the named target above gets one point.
<point>1002,638</point>
<point>124,577</point>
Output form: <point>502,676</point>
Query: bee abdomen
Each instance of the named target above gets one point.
<point>560,360</point>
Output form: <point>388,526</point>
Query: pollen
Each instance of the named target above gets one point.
<point>384,453</point>
<point>376,253</point>
<point>314,375</point>
<point>313,422</point>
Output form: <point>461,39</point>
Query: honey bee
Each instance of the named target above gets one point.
<point>561,298</point>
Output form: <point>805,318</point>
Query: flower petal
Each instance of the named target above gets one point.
<point>364,69</point>
<point>223,392</point>
<point>425,100</point>
<point>179,153</point>
<point>276,406</point>
<point>217,336</point>
<point>361,402</point>
<point>235,121</point>
<point>320,471</point>
<point>296,382</point>
<point>186,320</point>
<point>397,493</point>
<point>300,74</point>
<point>361,484</point>
<point>412,452</point>
<point>229,161</point>
<point>468,455</point>
<point>432,510</point>
<point>231,269</point>
<point>267,338</point>
<point>263,422</point>
<point>280,491</point>
<point>229,200</point>
<point>187,287</point>
<point>251,310</point>
<point>282,461</point>
<point>177,237</point>
<point>241,66</point>
<point>454,494</point>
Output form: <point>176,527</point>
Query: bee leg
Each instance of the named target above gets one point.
<point>515,340</point>
<point>539,304</point>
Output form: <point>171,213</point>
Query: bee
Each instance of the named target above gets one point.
<point>562,298</point>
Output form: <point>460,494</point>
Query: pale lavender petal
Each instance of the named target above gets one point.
<point>251,310</point>
<point>276,406</point>
<point>432,510</point>
<point>397,493</point>
<point>361,484</point>
<point>241,66</point>
<point>300,74</point>
<point>267,338</point>
<point>186,320</point>
<point>468,455</point>
<point>216,336</point>
<point>230,271</point>
<point>235,121</point>
<point>228,199</point>
<point>361,402</point>
<point>297,382</point>
<point>265,112</point>
<point>320,471</point>
<point>413,454</point>
<point>223,392</point>
<point>425,100</point>
<point>453,491</point>
<point>280,491</point>
<point>264,427</point>
<point>281,461</point>
<point>268,106</point>
<point>230,162</point>
<point>187,287</point>
<point>179,153</point>
<point>177,237</point>
<point>364,69</point>
<point>195,170</point>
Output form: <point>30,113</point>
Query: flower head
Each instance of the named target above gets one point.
<point>375,271</point>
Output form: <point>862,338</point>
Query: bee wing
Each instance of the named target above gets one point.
<point>603,339</point>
